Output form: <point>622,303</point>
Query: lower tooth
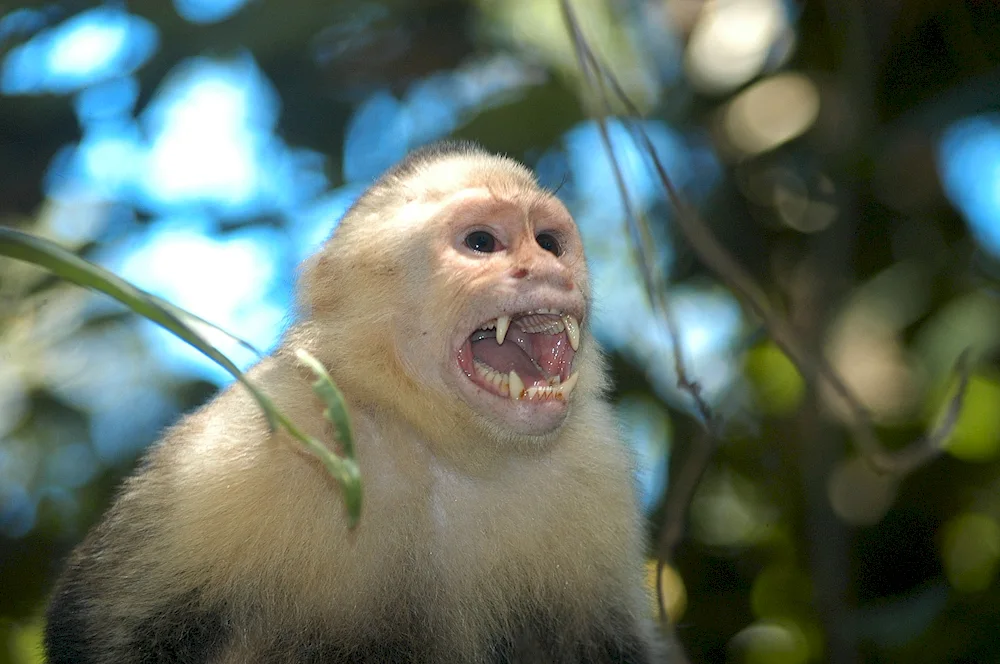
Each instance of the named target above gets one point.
<point>560,391</point>
<point>538,392</point>
<point>516,385</point>
<point>491,375</point>
<point>567,388</point>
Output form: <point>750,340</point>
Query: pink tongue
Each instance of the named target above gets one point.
<point>506,358</point>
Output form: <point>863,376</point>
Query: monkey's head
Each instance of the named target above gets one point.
<point>455,292</point>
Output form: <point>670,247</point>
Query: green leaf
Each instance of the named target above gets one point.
<point>345,468</point>
<point>336,407</point>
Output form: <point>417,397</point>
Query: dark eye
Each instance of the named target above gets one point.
<point>481,241</point>
<point>549,244</point>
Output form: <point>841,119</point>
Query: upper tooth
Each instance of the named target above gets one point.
<point>503,322</point>
<point>572,330</point>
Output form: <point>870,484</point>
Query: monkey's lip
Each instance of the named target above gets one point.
<point>524,356</point>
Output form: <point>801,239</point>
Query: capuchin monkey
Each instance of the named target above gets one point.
<point>500,521</point>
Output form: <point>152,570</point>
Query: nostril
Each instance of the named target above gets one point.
<point>519,273</point>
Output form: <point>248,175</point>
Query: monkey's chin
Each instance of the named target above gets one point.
<point>520,417</point>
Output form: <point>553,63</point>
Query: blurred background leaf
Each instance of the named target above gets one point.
<point>846,152</point>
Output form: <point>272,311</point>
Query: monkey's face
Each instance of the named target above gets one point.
<point>511,273</point>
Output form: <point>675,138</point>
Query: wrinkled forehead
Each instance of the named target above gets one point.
<point>441,178</point>
<point>486,180</point>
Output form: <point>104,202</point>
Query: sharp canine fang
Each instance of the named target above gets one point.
<point>516,385</point>
<point>503,322</point>
<point>572,331</point>
<point>567,386</point>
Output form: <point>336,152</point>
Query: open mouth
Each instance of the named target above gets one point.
<point>527,356</point>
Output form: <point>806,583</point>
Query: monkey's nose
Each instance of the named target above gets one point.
<point>558,276</point>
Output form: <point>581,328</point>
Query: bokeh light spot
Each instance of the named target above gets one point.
<point>772,642</point>
<point>109,100</point>
<point>94,45</point>
<point>730,42</point>
<point>770,113</point>
<point>728,510</point>
<point>208,127</point>
<point>18,510</point>
<point>375,138</point>
<point>672,586</point>
<point>231,282</point>
<point>969,161</point>
<point>207,11</point>
<point>858,494</point>
<point>775,380</point>
<point>976,436</point>
<point>971,551</point>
